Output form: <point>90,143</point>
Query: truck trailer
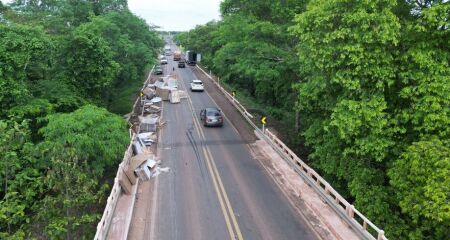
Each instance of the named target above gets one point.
<point>191,58</point>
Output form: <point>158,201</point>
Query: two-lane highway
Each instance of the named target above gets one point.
<point>215,189</point>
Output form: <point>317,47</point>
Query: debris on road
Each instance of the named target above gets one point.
<point>124,183</point>
<point>149,123</point>
<point>143,164</point>
<point>151,163</point>
<point>174,96</point>
<point>162,124</point>
<point>159,170</point>
<point>148,138</point>
<point>156,100</point>
<point>143,173</point>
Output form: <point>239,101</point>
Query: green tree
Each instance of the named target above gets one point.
<point>376,81</point>
<point>56,162</point>
<point>79,148</point>
<point>23,57</point>
<point>346,53</point>
<point>20,179</point>
<point>421,177</point>
<point>97,136</point>
<point>133,47</point>
<point>89,64</point>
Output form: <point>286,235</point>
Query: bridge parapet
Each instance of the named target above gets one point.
<point>116,191</point>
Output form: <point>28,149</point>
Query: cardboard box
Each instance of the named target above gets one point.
<point>125,183</point>
<point>130,174</point>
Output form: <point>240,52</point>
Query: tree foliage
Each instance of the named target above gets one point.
<point>58,150</point>
<point>371,82</point>
<point>369,93</point>
<point>23,59</point>
<point>90,64</point>
<point>79,148</point>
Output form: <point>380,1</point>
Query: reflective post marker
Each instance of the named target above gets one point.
<point>264,122</point>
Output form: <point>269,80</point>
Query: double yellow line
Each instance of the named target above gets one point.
<point>227,209</point>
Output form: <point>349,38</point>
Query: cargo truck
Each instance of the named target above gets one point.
<point>177,56</point>
<point>192,58</point>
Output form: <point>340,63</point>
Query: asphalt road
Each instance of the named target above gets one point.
<point>215,189</point>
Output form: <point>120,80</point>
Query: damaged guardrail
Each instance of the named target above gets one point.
<point>105,221</point>
<point>344,209</point>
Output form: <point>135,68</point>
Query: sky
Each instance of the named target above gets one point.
<point>174,15</point>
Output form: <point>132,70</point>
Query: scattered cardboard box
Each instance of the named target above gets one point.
<point>130,174</point>
<point>125,183</point>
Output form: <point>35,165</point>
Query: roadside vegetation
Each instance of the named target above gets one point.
<point>63,65</point>
<point>370,81</point>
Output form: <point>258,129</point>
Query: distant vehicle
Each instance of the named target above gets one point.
<point>211,116</point>
<point>177,56</point>
<point>181,64</point>
<point>191,58</point>
<point>158,70</point>
<point>163,61</point>
<point>167,51</point>
<point>197,85</point>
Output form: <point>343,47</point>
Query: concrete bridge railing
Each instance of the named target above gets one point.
<point>108,213</point>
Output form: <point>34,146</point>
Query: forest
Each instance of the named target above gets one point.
<point>69,71</point>
<point>369,84</point>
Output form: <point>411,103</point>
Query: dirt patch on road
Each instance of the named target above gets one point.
<point>243,128</point>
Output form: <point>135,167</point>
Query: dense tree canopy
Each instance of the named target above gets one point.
<point>371,82</point>
<point>58,151</point>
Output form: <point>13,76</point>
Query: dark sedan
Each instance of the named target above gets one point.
<point>158,71</point>
<point>211,117</point>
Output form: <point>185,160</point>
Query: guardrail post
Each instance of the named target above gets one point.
<point>351,211</point>
<point>327,189</point>
<point>381,235</point>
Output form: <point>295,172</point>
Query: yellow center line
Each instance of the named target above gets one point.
<point>227,201</point>
<point>215,173</point>
<point>216,187</point>
<point>226,207</point>
<point>215,178</point>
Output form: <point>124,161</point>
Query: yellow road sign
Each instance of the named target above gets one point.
<point>264,120</point>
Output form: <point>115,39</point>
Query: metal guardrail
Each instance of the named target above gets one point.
<point>105,222</point>
<point>343,208</point>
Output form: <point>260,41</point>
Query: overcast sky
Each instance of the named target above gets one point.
<point>174,15</point>
<point>177,15</point>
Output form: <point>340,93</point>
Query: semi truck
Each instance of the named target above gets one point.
<point>192,58</point>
